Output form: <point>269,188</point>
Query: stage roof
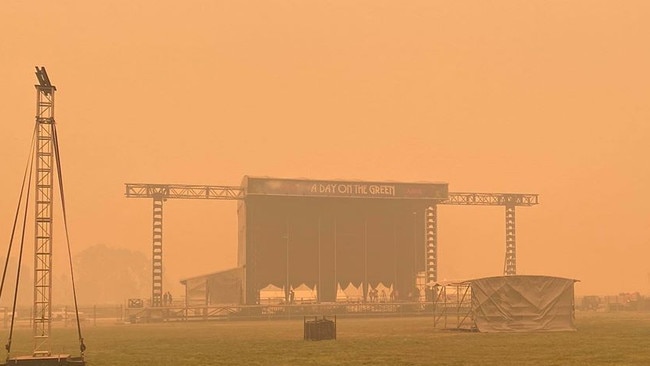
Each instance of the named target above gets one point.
<point>266,186</point>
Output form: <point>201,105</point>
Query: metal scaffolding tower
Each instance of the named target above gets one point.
<point>157,252</point>
<point>42,324</point>
<point>510,263</point>
<point>44,166</point>
<point>431,237</point>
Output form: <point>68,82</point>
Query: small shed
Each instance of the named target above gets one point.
<point>225,287</point>
<point>507,304</point>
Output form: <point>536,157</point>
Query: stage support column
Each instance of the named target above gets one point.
<point>365,286</point>
<point>157,252</point>
<point>432,246</point>
<point>510,265</point>
<point>318,291</point>
<point>336,279</point>
<point>415,250</point>
<point>395,252</point>
<point>287,283</point>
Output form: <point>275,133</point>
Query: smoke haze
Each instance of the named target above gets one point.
<point>508,96</point>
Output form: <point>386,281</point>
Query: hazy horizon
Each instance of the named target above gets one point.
<point>551,98</point>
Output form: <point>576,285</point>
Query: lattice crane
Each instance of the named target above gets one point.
<point>161,192</point>
<point>43,222</point>
<point>44,165</point>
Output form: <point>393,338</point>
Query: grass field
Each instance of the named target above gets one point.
<point>602,339</point>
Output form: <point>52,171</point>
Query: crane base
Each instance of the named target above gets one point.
<point>53,360</point>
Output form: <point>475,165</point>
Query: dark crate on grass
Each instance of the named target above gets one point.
<point>316,329</point>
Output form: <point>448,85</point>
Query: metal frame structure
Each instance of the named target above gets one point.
<point>431,238</point>
<point>491,199</point>
<point>157,252</point>
<point>452,307</point>
<point>161,192</point>
<point>510,201</point>
<point>43,223</point>
<point>184,191</point>
<point>510,263</point>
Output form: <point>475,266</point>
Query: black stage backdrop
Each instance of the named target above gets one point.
<point>325,242</point>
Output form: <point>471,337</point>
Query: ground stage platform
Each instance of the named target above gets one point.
<point>267,312</point>
<point>52,360</point>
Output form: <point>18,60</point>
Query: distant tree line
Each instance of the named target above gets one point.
<point>103,275</point>
<point>106,275</point>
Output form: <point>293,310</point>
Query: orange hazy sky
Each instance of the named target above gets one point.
<point>548,97</point>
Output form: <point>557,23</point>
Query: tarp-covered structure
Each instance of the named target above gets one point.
<point>514,304</point>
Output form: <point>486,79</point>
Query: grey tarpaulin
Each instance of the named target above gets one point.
<point>523,303</point>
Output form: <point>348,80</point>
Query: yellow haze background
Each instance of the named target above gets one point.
<point>548,97</point>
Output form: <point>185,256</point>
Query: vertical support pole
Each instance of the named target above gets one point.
<point>336,279</point>
<point>432,247</point>
<point>187,302</point>
<point>365,287</point>
<point>394,294</point>
<point>157,253</point>
<point>510,266</point>
<point>287,289</point>
<point>318,291</point>
<point>42,325</point>
<point>415,254</point>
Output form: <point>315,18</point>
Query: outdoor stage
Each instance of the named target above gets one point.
<point>326,237</point>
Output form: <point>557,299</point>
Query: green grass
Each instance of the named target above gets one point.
<point>601,339</point>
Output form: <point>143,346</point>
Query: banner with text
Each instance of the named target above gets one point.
<point>317,188</point>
